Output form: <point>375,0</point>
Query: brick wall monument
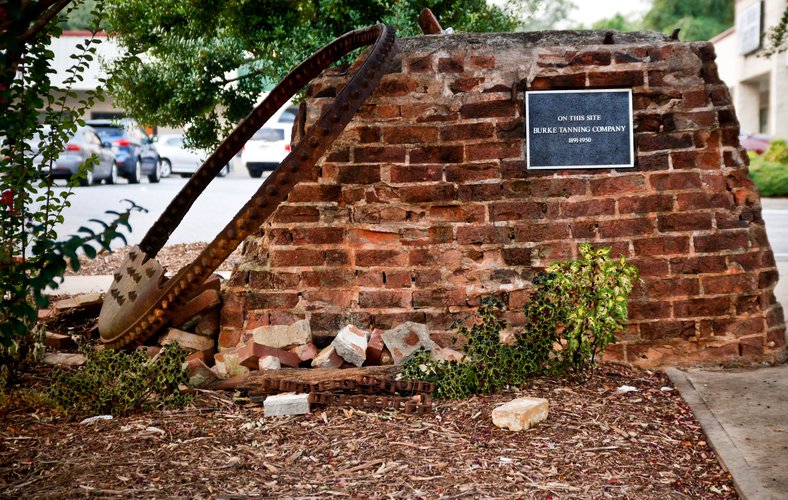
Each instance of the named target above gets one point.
<point>424,205</point>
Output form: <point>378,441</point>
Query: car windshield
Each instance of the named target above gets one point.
<point>109,133</point>
<point>269,135</point>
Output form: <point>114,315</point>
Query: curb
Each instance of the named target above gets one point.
<point>745,479</point>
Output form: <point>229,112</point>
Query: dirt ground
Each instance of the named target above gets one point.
<point>597,442</point>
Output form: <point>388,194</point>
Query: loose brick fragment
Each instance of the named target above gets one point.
<point>289,403</point>
<point>188,341</point>
<point>520,414</point>
<point>327,358</point>
<point>407,338</point>
<point>351,345</point>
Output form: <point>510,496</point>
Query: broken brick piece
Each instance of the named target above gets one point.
<point>351,345</point>
<point>249,355</point>
<point>58,341</point>
<point>199,373</point>
<point>199,304</point>
<point>208,326</point>
<point>306,352</point>
<point>375,347</point>
<point>269,363</point>
<point>284,336</point>
<point>407,338</point>
<point>206,356</point>
<point>188,341</point>
<point>327,358</point>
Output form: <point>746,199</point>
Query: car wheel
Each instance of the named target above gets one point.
<point>88,180</point>
<point>113,174</point>
<point>186,176</point>
<point>155,176</point>
<point>256,173</point>
<point>223,172</point>
<point>166,168</point>
<point>136,173</point>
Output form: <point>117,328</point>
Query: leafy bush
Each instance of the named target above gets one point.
<point>574,313</point>
<point>770,177</point>
<point>777,152</point>
<point>118,383</point>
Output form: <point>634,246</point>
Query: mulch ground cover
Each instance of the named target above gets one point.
<point>597,442</point>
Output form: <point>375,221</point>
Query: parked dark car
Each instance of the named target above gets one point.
<point>82,145</point>
<point>135,154</point>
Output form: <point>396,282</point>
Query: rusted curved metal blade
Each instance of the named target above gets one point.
<point>139,304</point>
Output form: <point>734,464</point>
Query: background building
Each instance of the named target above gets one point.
<point>759,85</point>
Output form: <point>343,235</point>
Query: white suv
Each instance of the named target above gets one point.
<point>270,144</point>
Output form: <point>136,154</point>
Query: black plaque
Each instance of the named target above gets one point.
<point>579,129</point>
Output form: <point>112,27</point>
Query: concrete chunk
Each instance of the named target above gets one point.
<point>404,340</point>
<point>199,373</point>
<point>189,341</point>
<point>351,345</point>
<point>520,414</point>
<point>269,363</point>
<point>227,365</point>
<point>64,359</point>
<point>284,336</point>
<point>288,403</point>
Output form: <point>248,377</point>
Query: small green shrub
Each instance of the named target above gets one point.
<point>119,383</point>
<point>770,177</point>
<point>777,152</point>
<point>574,313</point>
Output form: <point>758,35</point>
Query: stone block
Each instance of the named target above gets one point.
<point>269,363</point>
<point>87,301</point>
<point>327,358</point>
<point>404,340</point>
<point>288,403</point>
<point>375,347</point>
<point>306,352</point>
<point>520,414</point>
<point>227,365</point>
<point>199,373</point>
<point>284,336</point>
<point>64,359</point>
<point>351,345</point>
<point>189,341</point>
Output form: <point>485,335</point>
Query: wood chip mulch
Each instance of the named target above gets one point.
<point>597,442</point>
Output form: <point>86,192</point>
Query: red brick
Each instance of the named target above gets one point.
<point>688,221</point>
<point>559,186</point>
<point>416,173</point>
<point>229,338</point>
<point>588,208</point>
<point>729,283</point>
<point>437,154</point>
<point>513,169</point>
<point>698,265</point>
<point>493,151</point>
<point>467,131</point>
<point>371,237</point>
<point>430,193</point>
<point>650,267</point>
<point>376,214</point>
<point>675,180</point>
<point>672,287</point>
<point>394,86</point>
<point>251,352</point>
<point>748,304</point>
<point>663,330</point>
<point>457,213</point>
<point>337,257</point>
<point>314,192</point>
<point>376,258</point>
<point>738,327</point>
<point>651,309</point>
<point>619,184</point>
<point>427,277</point>
<point>663,245</point>
<point>592,58</point>
<point>655,161</point>
<point>489,109</point>
<point>384,298</point>
<point>561,81</point>
<point>332,278</point>
<point>420,64</point>
<point>318,235</point>
<point>615,79</point>
<point>386,320</point>
<point>462,85</point>
<point>516,256</point>
<point>451,65</point>
<point>552,252</point>
<point>702,199</point>
<point>397,279</point>
<point>767,279</point>
<point>477,235</point>
<point>480,192</point>
<point>202,303</point>
<point>427,112</point>
<point>645,204</point>
<point>542,232</point>
<point>357,174</point>
<point>626,227</point>
<point>296,213</point>
<point>707,306</point>
<point>484,62</point>
<point>375,347</point>
<point>300,257</point>
<point>656,142</point>
<point>271,300</point>
<point>378,154</point>
<point>209,325</point>
<point>532,210</point>
<point>721,241</point>
<point>470,172</point>
<point>438,297</point>
<point>431,257</point>
<point>410,135</point>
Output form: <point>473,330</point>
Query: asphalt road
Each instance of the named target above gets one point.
<point>212,211</point>
<point>225,196</point>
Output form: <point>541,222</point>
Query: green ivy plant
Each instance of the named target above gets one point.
<point>35,124</point>
<point>573,314</point>
<point>118,382</point>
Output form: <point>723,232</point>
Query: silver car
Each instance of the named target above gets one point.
<point>82,145</point>
<point>177,159</point>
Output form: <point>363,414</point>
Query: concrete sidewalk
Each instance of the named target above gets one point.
<point>745,416</point>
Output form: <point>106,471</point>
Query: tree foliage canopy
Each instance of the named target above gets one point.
<point>698,20</point>
<point>202,65</point>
